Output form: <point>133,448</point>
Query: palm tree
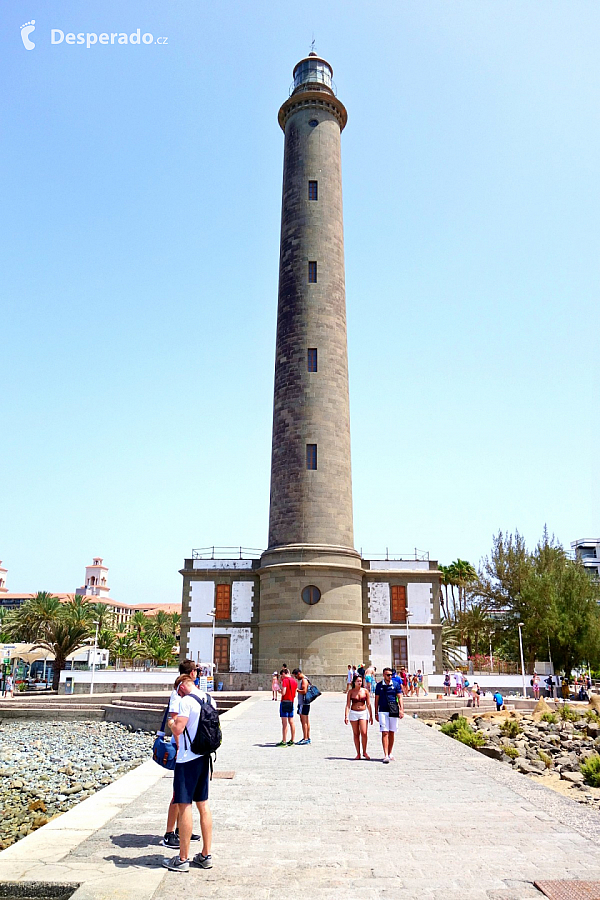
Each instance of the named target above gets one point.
<point>122,649</point>
<point>445,582</point>
<point>462,574</point>
<point>161,625</point>
<point>61,637</point>
<point>451,643</point>
<point>138,624</point>
<point>176,620</point>
<point>103,614</point>
<point>33,616</point>
<point>473,623</point>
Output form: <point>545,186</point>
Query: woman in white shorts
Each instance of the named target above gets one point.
<point>359,714</point>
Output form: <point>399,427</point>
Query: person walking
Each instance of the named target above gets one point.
<point>370,679</point>
<point>549,682</point>
<point>275,686</point>
<point>303,706</point>
<point>475,694</point>
<point>289,687</point>
<point>359,714</point>
<point>9,687</point>
<point>389,707</point>
<point>349,677</point>
<point>190,778</point>
<point>447,684</point>
<point>536,685</point>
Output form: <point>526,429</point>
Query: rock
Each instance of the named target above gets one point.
<point>540,708</point>
<point>573,777</point>
<point>526,767</point>
<point>492,752</point>
<point>593,729</point>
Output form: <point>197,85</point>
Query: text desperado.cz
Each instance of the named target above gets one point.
<point>90,38</point>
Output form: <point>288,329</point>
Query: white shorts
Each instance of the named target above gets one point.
<point>386,723</point>
<point>355,715</point>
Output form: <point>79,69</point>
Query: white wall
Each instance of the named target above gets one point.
<point>240,646</point>
<point>222,564</point>
<point>388,565</point>
<point>381,648</point>
<point>199,646</point>
<point>419,603</point>
<point>379,604</point>
<point>202,601</point>
<point>241,601</point>
<point>422,650</point>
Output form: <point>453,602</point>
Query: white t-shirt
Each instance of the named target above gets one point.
<point>174,701</point>
<point>350,676</point>
<point>190,708</point>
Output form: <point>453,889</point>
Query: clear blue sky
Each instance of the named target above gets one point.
<point>141,192</point>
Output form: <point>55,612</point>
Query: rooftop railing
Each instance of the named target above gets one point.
<point>226,553</point>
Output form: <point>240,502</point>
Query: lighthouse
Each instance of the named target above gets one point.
<point>309,599</point>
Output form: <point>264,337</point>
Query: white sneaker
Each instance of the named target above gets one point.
<point>391,758</point>
<point>386,759</point>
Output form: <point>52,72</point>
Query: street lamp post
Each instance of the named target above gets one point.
<point>94,659</point>
<point>408,615</point>
<point>521,624</point>
<point>212,615</point>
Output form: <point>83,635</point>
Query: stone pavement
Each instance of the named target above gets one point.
<point>442,821</point>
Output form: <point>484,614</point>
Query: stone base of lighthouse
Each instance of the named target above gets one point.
<point>319,636</point>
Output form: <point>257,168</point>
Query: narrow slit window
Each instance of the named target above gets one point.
<point>311,456</point>
<point>313,190</point>
<point>312,273</point>
<point>312,359</point>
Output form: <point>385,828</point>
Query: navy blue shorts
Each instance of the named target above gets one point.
<point>286,709</point>
<point>304,710</point>
<point>190,781</point>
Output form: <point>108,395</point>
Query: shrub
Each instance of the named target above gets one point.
<point>510,728</point>
<point>550,718</point>
<point>591,770</point>
<point>567,714</point>
<point>545,758</point>
<point>592,716</point>
<point>512,752</point>
<point>461,731</point>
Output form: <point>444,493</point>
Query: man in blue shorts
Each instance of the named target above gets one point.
<point>190,779</point>
<point>385,692</point>
<point>289,686</point>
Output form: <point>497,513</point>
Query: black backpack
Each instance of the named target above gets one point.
<point>208,735</point>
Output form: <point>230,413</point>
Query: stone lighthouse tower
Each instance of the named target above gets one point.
<point>310,579</point>
<point>309,598</point>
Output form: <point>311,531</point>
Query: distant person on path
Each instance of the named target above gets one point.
<point>475,694</point>
<point>190,779</point>
<point>359,714</point>
<point>447,684</point>
<point>275,686</point>
<point>499,701</point>
<point>9,687</point>
<point>171,837</point>
<point>349,678</point>
<point>303,706</point>
<point>286,707</point>
<point>388,699</point>
<point>370,679</point>
<point>361,671</point>
<point>549,682</point>
<point>535,681</point>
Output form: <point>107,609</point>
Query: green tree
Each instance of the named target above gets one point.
<point>138,624</point>
<point>474,624</point>
<point>48,624</point>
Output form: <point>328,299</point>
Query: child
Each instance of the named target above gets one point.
<point>499,700</point>
<point>275,686</point>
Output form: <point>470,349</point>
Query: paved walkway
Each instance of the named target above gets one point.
<point>310,822</point>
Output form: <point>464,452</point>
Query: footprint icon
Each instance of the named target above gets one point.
<point>26,30</point>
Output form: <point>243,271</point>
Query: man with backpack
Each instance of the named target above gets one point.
<point>197,728</point>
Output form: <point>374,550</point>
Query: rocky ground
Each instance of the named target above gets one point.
<point>551,752</point>
<point>46,768</point>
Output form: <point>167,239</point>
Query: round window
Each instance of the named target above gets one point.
<point>313,123</point>
<point>311,595</point>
